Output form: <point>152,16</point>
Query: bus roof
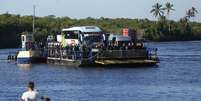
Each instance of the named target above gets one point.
<point>83,29</point>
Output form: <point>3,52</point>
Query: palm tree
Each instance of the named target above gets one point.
<point>157,10</point>
<point>191,12</point>
<point>194,11</point>
<point>168,7</point>
<point>184,22</point>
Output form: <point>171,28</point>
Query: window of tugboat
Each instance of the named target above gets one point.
<point>71,35</point>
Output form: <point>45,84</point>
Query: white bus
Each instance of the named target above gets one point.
<point>81,35</point>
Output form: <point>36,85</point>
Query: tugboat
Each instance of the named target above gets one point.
<point>30,51</point>
<point>89,46</point>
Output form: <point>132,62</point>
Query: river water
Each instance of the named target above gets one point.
<point>176,78</point>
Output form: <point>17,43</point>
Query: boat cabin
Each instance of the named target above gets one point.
<point>27,40</point>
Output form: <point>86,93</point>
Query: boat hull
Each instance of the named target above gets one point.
<point>24,60</point>
<point>59,61</point>
<point>27,57</point>
<point>126,63</point>
<point>102,63</point>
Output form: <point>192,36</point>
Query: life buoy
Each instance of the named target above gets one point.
<point>139,45</point>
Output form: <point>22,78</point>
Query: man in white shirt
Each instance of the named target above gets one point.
<point>31,94</point>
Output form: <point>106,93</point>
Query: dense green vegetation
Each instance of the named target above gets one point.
<point>162,30</point>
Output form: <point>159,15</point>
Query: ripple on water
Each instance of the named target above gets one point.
<point>176,78</point>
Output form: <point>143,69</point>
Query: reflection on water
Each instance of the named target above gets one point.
<point>176,78</point>
<point>24,66</point>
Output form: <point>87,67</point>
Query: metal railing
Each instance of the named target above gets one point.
<point>123,54</point>
<point>148,53</point>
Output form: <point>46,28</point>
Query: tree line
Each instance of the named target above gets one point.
<point>164,29</point>
<point>169,30</point>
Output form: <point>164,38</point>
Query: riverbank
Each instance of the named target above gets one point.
<point>12,26</point>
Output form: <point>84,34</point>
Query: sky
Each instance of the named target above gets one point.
<point>97,8</point>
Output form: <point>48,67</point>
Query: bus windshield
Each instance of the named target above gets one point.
<point>71,35</point>
<point>92,37</point>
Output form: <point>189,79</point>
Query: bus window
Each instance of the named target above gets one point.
<point>71,35</point>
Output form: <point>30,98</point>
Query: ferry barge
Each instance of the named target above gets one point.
<point>89,46</point>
